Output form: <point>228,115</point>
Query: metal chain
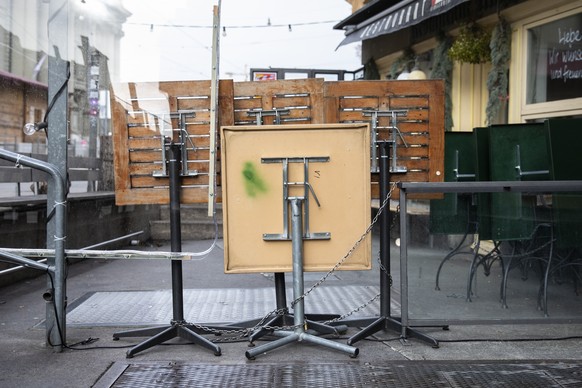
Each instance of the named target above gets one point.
<point>357,309</point>
<point>351,251</point>
<point>247,331</point>
<point>382,267</point>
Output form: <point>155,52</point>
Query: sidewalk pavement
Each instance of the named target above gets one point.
<point>27,362</point>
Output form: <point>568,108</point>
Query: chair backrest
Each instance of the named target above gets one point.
<point>481,140</point>
<point>516,152</point>
<point>452,214</point>
<point>564,137</point>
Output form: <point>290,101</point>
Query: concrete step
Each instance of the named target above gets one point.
<point>194,220</point>
<point>192,212</point>
<point>191,230</point>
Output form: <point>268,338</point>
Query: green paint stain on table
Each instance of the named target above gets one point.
<point>253,182</point>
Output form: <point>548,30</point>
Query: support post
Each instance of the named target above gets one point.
<point>386,321</point>
<point>178,327</point>
<point>176,233</point>
<point>57,133</point>
<point>300,324</point>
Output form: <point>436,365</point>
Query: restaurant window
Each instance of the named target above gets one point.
<point>554,60</point>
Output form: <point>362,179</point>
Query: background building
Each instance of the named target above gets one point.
<point>93,52</point>
<point>535,74</point>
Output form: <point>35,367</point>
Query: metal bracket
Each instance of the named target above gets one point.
<point>307,188</point>
<point>394,132</point>
<point>185,138</point>
<point>458,175</point>
<point>259,114</point>
<point>518,169</point>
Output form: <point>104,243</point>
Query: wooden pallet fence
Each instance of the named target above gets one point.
<point>143,113</point>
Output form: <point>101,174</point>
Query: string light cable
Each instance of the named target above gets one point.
<point>288,26</point>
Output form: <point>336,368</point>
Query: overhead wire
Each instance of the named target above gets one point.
<point>268,25</point>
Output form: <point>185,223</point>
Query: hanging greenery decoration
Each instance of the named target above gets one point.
<point>442,68</point>
<point>472,45</point>
<point>371,70</point>
<point>402,63</point>
<point>498,78</point>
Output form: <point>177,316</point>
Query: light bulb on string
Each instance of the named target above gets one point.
<point>31,128</point>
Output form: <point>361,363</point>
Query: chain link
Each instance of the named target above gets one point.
<point>382,267</point>
<point>357,309</point>
<point>242,333</point>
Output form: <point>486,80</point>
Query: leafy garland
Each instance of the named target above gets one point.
<point>498,80</point>
<point>472,45</point>
<point>442,68</point>
<point>402,63</point>
<point>371,70</point>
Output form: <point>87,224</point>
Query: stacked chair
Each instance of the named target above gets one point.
<point>456,213</point>
<point>564,137</point>
<point>533,233</point>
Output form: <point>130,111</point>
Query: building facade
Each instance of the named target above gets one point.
<point>92,49</point>
<point>544,65</point>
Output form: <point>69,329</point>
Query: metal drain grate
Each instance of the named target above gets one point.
<point>135,308</point>
<point>351,374</point>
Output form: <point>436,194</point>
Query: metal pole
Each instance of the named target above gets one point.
<point>214,108</point>
<point>176,231</point>
<point>23,261</point>
<point>58,94</point>
<point>39,264</point>
<point>280,290</point>
<point>385,276</point>
<point>403,263</point>
<point>297,252</point>
<point>55,311</point>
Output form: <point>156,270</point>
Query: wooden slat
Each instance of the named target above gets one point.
<point>198,129</point>
<point>408,102</point>
<point>416,139</point>
<point>247,103</point>
<point>359,103</point>
<point>200,117</point>
<point>200,154</point>
<point>198,104</point>
<point>353,116</point>
<point>144,156</point>
<point>143,131</point>
<point>140,181</point>
<point>150,143</point>
<point>149,168</point>
<point>417,165</point>
<point>144,168</point>
<point>200,141</point>
<point>291,101</point>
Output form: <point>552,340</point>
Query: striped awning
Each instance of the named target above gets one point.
<point>404,14</point>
